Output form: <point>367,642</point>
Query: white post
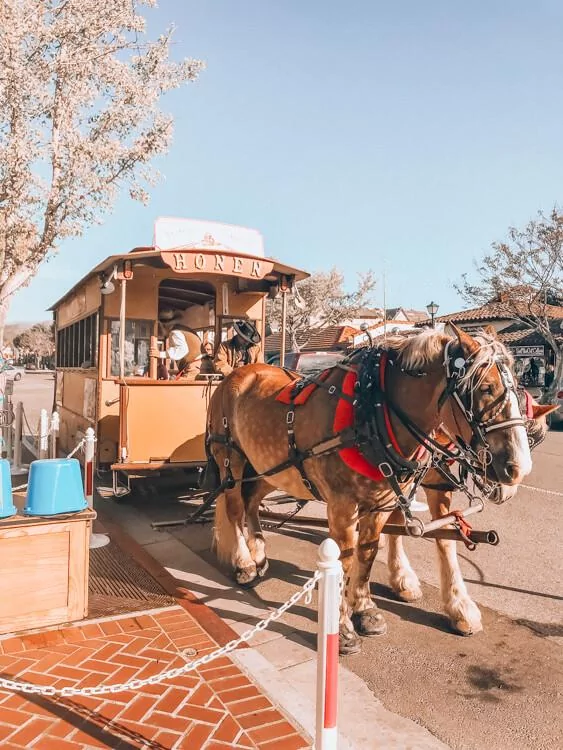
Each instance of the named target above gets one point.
<point>327,645</point>
<point>43,434</point>
<point>9,413</point>
<point>54,434</point>
<point>9,436</point>
<point>96,540</point>
<point>17,467</point>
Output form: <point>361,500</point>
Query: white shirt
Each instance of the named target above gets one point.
<point>177,346</point>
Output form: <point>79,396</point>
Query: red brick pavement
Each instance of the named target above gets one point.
<point>216,706</point>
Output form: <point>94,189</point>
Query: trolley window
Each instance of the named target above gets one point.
<point>137,343</point>
<point>77,344</point>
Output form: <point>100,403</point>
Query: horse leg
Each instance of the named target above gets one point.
<point>253,493</point>
<point>367,619</point>
<point>342,528</point>
<point>228,534</point>
<point>402,578</point>
<point>463,613</point>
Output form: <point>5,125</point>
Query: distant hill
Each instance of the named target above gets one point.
<point>14,329</point>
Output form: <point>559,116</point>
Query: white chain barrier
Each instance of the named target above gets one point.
<point>52,434</point>
<point>27,687</point>
<point>79,447</point>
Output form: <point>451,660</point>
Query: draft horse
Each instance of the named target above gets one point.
<point>462,612</point>
<point>360,441</point>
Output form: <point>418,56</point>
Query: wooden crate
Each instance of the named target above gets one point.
<point>43,570</point>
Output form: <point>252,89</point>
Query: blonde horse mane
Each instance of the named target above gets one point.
<point>416,351</point>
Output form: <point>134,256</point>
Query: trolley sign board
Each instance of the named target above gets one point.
<point>217,262</point>
<point>528,351</point>
<point>191,234</point>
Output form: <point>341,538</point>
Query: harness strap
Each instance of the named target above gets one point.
<point>296,458</point>
<point>464,528</point>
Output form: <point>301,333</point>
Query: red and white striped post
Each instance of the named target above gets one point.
<point>327,645</point>
<point>96,540</point>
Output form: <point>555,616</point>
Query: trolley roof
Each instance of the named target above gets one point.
<point>272,269</point>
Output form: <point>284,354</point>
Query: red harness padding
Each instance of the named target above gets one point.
<point>285,395</point>
<point>344,418</point>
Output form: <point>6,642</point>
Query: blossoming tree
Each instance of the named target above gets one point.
<point>80,87</point>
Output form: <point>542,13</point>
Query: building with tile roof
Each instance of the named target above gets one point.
<point>330,338</point>
<point>524,342</point>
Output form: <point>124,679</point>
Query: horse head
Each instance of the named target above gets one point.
<point>484,391</point>
<point>536,429</point>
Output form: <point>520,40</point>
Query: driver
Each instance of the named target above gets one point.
<point>184,345</point>
<point>242,349</point>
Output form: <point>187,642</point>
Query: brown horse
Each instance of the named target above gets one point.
<point>463,613</point>
<point>398,397</point>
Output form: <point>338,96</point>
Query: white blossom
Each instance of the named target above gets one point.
<point>80,87</point>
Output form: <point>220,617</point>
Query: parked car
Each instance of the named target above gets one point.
<point>13,373</point>
<point>308,363</point>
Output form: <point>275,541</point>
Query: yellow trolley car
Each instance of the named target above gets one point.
<point>106,325</point>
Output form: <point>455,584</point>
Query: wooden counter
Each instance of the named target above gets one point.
<point>43,570</point>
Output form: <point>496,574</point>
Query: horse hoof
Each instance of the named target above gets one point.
<point>348,643</point>
<point>465,628</point>
<point>246,577</point>
<point>410,595</point>
<point>262,568</point>
<point>370,622</point>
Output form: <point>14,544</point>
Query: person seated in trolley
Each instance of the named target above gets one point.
<point>242,349</point>
<point>184,347</point>
<point>207,364</point>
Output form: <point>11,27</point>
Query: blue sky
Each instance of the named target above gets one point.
<point>364,134</point>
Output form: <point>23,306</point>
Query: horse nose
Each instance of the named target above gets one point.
<point>511,471</point>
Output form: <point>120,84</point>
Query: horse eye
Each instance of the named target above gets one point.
<point>486,389</point>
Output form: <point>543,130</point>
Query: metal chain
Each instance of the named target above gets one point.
<point>27,423</point>
<point>78,447</point>
<point>26,687</point>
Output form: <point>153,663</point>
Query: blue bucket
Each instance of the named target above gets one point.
<point>7,507</point>
<point>54,486</point>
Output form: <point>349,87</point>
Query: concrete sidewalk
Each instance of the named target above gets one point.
<point>281,659</point>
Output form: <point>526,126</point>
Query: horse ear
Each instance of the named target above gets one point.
<point>491,330</point>
<point>467,343</point>
<point>542,410</point>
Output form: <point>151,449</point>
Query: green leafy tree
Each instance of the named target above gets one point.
<point>36,342</point>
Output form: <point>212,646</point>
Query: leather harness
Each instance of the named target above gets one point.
<point>363,433</point>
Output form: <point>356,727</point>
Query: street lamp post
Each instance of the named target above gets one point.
<point>432,308</point>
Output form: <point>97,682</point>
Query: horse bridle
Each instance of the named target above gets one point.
<point>456,368</point>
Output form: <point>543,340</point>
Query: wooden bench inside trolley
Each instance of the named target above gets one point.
<point>107,323</point>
